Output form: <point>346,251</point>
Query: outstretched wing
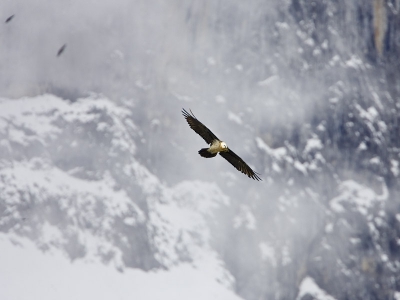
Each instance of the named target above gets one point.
<point>199,127</point>
<point>239,164</point>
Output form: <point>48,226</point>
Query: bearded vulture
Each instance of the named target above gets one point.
<point>217,146</point>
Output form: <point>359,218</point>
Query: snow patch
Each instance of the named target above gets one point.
<point>309,287</point>
<point>211,61</point>
<point>313,144</point>
<point>354,62</point>
<point>239,67</point>
<point>220,99</point>
<point>235,118</point>
<point>394,167</point>
<point>278,153</point>
<point>362,146</point>
<point>268,81</point>
<point>371,114</point>
<point>375,160</point>
<point>267,253</point>
<point>397,295</point>
<point>300,167</point>
<point>361,196</point>
<point>245,218</point>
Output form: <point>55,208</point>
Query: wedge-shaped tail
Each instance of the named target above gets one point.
<point>204,153</point>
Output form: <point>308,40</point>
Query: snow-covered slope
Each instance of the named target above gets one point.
<point>70,182</point>
<point>28,273</point>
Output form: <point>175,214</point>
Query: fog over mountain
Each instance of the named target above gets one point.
<point>100,175</point>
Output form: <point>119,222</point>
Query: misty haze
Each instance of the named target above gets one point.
<point>103,194</point>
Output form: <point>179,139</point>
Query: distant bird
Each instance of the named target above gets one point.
<point>61,49</point>
<point>9,18</point>
<point>217,146</point>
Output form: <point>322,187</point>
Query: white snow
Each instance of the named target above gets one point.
<point>281,155</point>
<point>28,273</point>
<point>334,100</point>
<point>394,167</point>
<point>278,153</point>
<point>268,253</point>
<point>361,196</point>
<point>276,167</point>
<point>371,114</point>
<point>310,42</point>
<point>362,146</point>
<point>398,217</point>
<point>282,25</point>
<point>301,167</point>
<point>354,62</point>
<point>29,119</point>
<point>324,45</point>
<point>375,160</point>
<point>235,118</point>
<point>313,144</point>
<point>268,80</point>
<point>178,222</point>
<point>329,228</point>
<point>245,218</point>
<point>397,295</point>
<point>321,127</point>
<point>376,99</point>
<point>317,52</point>
<point>51,182</point>
<point>220,99</point>
<point>334,60</point>
<point>239,67</point>
<point>211,61</point>
<point>309,287</point>
<point>182,97</point>
<point>117,54</point>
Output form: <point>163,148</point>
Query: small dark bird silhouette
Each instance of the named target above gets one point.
<point>9,18</point>
<point>61,49</point>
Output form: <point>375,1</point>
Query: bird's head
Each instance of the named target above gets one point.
<point>224,146</point>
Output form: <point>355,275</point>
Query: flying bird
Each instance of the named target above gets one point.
<point>217,146</point>
<point>61,49</point>
<point>9,18</point>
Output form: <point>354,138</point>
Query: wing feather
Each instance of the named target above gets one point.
<point>239,164</point>
<point>199,127</point>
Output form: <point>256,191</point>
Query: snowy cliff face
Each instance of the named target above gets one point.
<point>70,181</point>
<point>306,92</point>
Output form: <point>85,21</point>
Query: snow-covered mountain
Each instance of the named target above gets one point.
<point>100,176</point>
<point>89,197</point>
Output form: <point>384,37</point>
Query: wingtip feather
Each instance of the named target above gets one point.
<point>187,115</point>
<point>257,176</point>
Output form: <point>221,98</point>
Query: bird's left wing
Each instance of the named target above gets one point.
<point>239,164</point>
<point>199,127</point>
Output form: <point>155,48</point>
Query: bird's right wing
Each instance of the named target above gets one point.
<point>199,127</point>
<point>239,164</point>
